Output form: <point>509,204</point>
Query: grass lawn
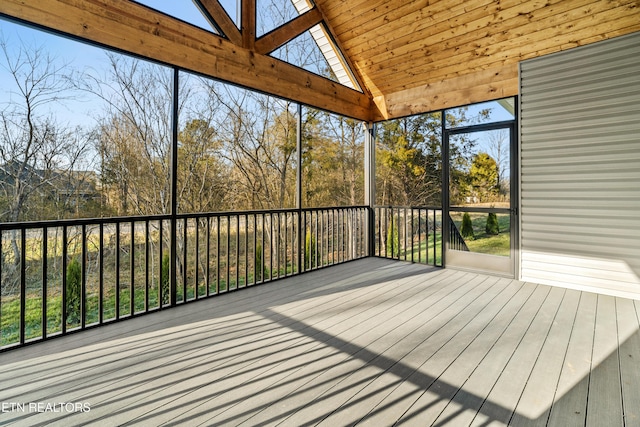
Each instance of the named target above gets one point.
<point>487,243</point>
<point>424,252</point>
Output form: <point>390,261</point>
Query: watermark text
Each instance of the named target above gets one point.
<point>54,407</point>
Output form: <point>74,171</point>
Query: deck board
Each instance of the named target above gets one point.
<point>371,342</point>
<point>486,333</point>
<point>523,335</point>
<point>436,352</point>
<point>388,351</point>
<point>629,337</point>
<point>409,353</point>
<point>604,403</point>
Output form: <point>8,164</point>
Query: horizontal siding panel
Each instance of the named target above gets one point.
<point>596,217</point>
<point>583,244</point>
<point>578,244</point>
<point>585,130</point>
<point>599,272</point>
<point>593,272</point>
<point>580,167</point>
<point>580,229</point>
<point>594,121</point>
<point>594,201</point>
<point>541,182</point>
<point>586,148</point>
<point>624,176</point>
<point>595,194</point>
<point>605,115</point>
<point>612,76</point>
<point>608,170</point>
<point>577,225</point>
<point>600,97</point>
<point>567,278</point>
<point>618,50</point>
<point>593,161</point>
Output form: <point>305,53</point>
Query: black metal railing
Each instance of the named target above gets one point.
<point>61,276</point>
<point>456,241</point>
<point>409,233</point>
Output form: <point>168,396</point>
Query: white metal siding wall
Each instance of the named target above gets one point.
<point>580,167</point>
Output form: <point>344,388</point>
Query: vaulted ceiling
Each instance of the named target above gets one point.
<point>408,56</point>
<point>421,55</point>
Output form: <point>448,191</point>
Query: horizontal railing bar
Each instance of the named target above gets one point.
<point>408,207</point>
<point>5,226</point>
<point>479,210</point>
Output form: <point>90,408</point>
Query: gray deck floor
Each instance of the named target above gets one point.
<point>372,342</point>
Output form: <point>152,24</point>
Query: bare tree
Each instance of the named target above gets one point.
<point>333,160</point>
<point>203,184</point>
<point>134,135</point>
<point>498,144</point>
<point>258,135</point>
<point>38,155</point>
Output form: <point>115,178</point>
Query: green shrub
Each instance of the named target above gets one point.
<point>165,280</point>
<point>467,227</point>
<point>74,291</point>
<point>309,251</point>
<point>258,262</point>
<point>393,240</point>
<point>492,226</point>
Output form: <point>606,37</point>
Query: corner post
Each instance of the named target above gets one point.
<point>370,184</point>
<point>301,232</point>
<point>173,271</point>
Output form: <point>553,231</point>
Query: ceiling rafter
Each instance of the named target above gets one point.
<point>248,24</point>
<point>287,32</point>
<point>345,61</point>
<point>145,32</point>
<point>310,16</point>
<point>310,19</point>
<point>214,11</point>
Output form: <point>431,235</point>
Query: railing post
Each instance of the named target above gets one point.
<point>64,280</point>
<point>173,271</point>
<point>301,232</point>
<point>370,184</point>
<point>444,141</point>
<point>23,288</point>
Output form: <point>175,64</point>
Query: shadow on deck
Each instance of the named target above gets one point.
<point>370,342</point>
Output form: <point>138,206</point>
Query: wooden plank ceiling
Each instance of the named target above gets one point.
<point>416,56</point>
<point>408,56</point>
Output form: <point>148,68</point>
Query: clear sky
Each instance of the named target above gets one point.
<point>188,11</point>
<point>82,56</point>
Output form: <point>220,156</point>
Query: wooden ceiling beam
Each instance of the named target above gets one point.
<point>494,83</point>
<point>142,31</point>
<point>289,31</point>
<point>248,14</point>
<point>216,12</point>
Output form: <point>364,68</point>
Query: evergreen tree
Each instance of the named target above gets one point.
<point>310,251</point>
<point>393,240</point>
<point>484,177</point>
<point>467,226</point>
<point>492,226</point>
<point>164,279</point>
<point>258,267</point>
<point>73,295</point>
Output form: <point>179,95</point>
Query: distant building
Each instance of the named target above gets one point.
<point>65,190</point>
